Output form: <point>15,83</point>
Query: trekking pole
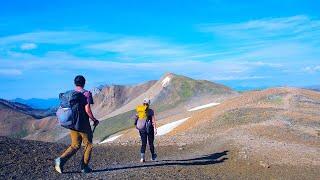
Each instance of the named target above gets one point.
<point>94,128</point>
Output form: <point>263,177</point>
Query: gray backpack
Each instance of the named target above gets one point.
<point>66,111</point>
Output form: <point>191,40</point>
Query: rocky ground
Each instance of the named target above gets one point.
<point>24,159</point>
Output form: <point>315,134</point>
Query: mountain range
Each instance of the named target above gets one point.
<point>315,88</point>
<point>37,103</point>
<point>19,120</point>
<point>204,130</point>
<point>170,96</point>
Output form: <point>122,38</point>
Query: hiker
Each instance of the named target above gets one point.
<point>79,101</point>
<point>146,124</point>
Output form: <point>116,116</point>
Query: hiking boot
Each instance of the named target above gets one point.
<point>154,157</point>
<point>58,166</point>
<point>143,159</point>
<point>86,169</point>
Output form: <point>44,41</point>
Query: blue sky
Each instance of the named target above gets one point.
<point>243,44</point>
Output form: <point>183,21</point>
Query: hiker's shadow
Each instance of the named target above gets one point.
<point>204,160</point>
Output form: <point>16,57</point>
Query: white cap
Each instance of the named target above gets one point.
<point>146,101</point>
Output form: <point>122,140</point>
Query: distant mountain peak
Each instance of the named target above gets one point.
<point>26,109</point>
<point>166,80</point>
<point>168,74</point>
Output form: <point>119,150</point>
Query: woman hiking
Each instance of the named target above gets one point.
<point>146,124</point>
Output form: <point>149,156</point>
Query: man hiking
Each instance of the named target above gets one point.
<point>78,102</point>
<point>146,124</point>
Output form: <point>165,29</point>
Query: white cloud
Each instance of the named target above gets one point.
<point>126,48</point>
<point>10,72</point>
<point>295,26</point>
<point>228,78</point>
<point>28,46</point>
<point>56,37</point>
<point>285,43</point>
<point>141,47</point>
<point>297,31</point>
<point>312,69</point>
<point>216,70</point>
<point>255,49</point>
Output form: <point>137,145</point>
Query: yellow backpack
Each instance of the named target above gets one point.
<point>142,112</point>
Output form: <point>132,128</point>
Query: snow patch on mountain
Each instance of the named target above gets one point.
<point>165,81</point>
<point>203,106</point>
<point>162,130</point>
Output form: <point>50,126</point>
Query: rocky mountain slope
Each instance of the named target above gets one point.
<point>278,126</point>
<point>110,98</point>
<point>171,95</point>
<point>174,90</point>
<point>268,134</point>
<point>25,109</point>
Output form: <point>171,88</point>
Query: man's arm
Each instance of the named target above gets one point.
<point>90,114</point>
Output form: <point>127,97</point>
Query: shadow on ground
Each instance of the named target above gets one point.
<point>204,160</point>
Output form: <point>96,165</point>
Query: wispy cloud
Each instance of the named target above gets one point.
<point>121,47</point>
<point>272,38</point>
<point>228,78</point>
<point>10,72</point>
<point>312,69</point>
<point>215,70</point>
<point>28,46</point>
<point>56,37</point>
<point>290,41</point>
<point>140,47</point>
<point>265,50</point>
<point>294,27</point>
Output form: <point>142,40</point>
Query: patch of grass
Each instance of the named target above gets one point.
<point>189,87</point>
<point>186,90</point>
<point>114,124</point>
<point>161,108</point>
